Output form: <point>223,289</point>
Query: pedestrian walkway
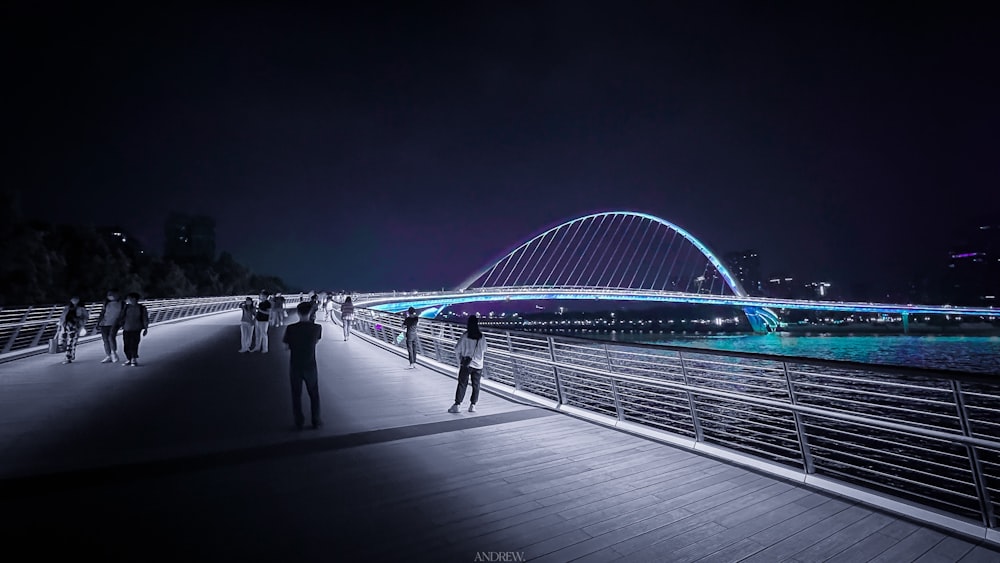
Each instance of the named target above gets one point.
<point>192,456</point>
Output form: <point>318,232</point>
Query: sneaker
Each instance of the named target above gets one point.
<point>453,409</point>
<point>67,361</point>
<point>317,424</point>
<point>135,363</point>
<point>472,407</point>
<point>127,363</point>
<point>114,357</point>
<point>106,360</point>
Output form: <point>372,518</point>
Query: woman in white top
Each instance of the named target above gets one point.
<point>471,349</point>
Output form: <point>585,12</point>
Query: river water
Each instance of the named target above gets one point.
<point>979,354</point>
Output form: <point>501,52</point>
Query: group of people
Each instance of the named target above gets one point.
<point>131,317</point>
<point>301,339</point>
<point>470,350</point>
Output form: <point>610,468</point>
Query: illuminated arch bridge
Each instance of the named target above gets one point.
<point>622,256</point>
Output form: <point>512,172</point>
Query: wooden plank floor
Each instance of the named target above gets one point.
<point>205,468</point>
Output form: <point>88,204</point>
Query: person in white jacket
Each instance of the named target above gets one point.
<point>471,350</point>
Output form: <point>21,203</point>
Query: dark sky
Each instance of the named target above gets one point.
<point>383,146</point>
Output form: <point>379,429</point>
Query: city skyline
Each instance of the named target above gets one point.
<point>383,147</point>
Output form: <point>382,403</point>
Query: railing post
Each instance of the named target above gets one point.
<point>615,392</point>
<point>17,330</point>
<point>699,435</point>
<point>989,518</point>
<point>45,325</point>
<point>807,461</point>
<point>555,372</point>
<point>515,369</point>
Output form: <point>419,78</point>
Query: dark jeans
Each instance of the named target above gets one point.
<point>463,383</point>
<point>311,379</point>
<point>109,334</point>
<point>411,350</point>
<point>131,338</point>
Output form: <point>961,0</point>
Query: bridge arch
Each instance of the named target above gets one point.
<point>650,252</point>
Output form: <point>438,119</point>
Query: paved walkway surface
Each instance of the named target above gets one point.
<point>192,456</point>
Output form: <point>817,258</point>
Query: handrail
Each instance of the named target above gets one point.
<point>26,329</point>
<point>917,437</point>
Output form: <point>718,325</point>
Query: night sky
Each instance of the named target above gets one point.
<point>404,146</point>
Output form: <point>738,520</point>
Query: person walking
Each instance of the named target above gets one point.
<point>107,323</point>
<point>262,319</point>
<point>347,316</point>
<point>410,323</point>
<point>134,321</point>
<point>471,350</point>
<point>72,321</point>
<point>279,314</point>
<point>301,339</point>
<point>249,314</point>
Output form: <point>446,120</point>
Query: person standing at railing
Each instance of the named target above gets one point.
<point>249,312</point>
<point>134,321</point>
<point>410,324</point>
<point>263,319</point>
<point>107,323</point>
<point>72,322</point>
<point>471,351</point>
<point>301,339</point>
<point>347,316</point>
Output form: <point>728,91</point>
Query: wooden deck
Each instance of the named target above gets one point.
<point>191,457</point>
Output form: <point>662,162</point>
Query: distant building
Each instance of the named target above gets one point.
<point>973,272</point>
<point>781,287</point>
<point>818,289</point>
<point>189,237</point>
<point>745,265</point>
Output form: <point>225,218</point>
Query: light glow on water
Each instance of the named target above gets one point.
<point>980,354</point>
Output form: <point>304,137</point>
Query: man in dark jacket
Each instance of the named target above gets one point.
<point>301,339</point>
<point>134,320</point>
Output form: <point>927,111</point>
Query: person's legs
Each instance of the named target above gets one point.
<point>463,384</point>
<point>411,351</point>
<point>261,338</point>
<point>477,376</point>
<point>130,341</point>
<point>264,326</point>
<point>135,347</point>
<point>71,336</point>
<point>311,378</point>
<point>296,382</point>
<point>246,334</point>
<point>114,344</point>
<point>106,339</point>
<point>347,328</point>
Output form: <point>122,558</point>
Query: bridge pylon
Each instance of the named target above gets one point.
<point>762,319</point>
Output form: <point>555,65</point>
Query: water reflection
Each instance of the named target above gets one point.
<point>979,354</point>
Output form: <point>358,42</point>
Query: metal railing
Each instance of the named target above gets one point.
<point>916,441</point>
<point>31,327</point>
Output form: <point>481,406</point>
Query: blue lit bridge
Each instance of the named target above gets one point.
<point>628,256</point>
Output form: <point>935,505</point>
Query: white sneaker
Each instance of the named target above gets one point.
<point>107,360</point>
<point>472,407</point>
<point>453,409</point>
<point>114,357</point>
